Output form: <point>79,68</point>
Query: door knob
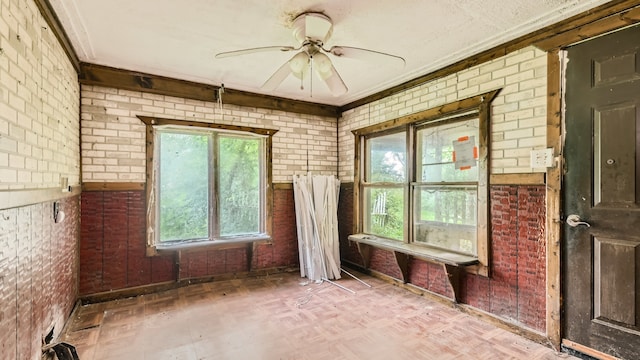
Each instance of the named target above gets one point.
<point>574,220</point>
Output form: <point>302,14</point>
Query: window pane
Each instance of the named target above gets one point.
<point>239,194</point>
<point>384,212</point>
<point>446,217</point>
<point>386,158</point>
<point>435,152</point>
<point>184,186</point>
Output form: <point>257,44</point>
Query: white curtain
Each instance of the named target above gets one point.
<point>316,201</point>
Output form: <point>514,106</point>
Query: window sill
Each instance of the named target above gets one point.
<point>234,243</point>
<point>450,261</point>
<point>423,252</point>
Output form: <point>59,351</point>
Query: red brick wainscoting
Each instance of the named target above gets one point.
<point>112,246</point>
<point>38,267</point>
<point>515,290</point>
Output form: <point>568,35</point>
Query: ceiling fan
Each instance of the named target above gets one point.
<point>312,30</point>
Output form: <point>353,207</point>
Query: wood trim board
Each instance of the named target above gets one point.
<point>517,179</point>
<point>113,186</point>
<point>553,203</point>
<point>10,199</point>
<point>92,74</point>
<point>52,19</point>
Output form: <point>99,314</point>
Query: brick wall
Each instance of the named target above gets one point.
<point>113,150</point>
<point>113,137</point>
<point>518,120</point>
<point>38,269</point>
<point>39,142</point>
<point>39,103</point>
<point>112,247</point>
<point>515,290</point>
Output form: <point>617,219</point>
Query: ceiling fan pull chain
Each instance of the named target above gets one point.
<point>311,76</point>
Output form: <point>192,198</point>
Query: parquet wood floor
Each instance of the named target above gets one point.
<point>277,317</point>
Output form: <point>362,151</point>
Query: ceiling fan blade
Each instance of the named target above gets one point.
<point>364,54</point>
<point>328,73</point>
<point>253,50</point>
<point>277,78</point>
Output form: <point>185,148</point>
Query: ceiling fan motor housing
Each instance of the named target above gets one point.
<point>312,26</point>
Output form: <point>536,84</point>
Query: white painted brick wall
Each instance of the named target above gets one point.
<point>518,122</point>
<point>113,138</point>
<point>39,101</point>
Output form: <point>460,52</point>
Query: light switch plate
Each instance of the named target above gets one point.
<point>542,158</point>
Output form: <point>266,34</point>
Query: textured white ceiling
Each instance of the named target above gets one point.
<point>180,38</point>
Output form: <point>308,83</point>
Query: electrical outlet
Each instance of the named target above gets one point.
<point>542,158</point>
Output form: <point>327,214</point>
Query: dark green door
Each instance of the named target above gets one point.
<point>601,262</point>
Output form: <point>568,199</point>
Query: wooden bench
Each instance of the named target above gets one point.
<point>451,262</point>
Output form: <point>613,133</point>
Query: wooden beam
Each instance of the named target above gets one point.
<point>356,218</point>
<point>113,186</point>
<point>483,219</point>
<point>92,74</point>
<point>517,179</point>
<point>460,106</point>
<point>595,28</point>
<point>56,27</point>
<point>451,69</point>
<point>570,30</point>
<point>283,186</point>
<point>554,181</point>
<point>151,120</point>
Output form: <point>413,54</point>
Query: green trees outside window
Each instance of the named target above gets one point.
<point>184,186</point>
<point>385,175</point>
<point>209,184</point>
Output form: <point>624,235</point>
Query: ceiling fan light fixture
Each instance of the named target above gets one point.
<point>299,64</point>
<point>328,74</point>
<point>323,65</point>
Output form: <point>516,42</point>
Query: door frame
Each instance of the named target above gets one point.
<point>618,15</point>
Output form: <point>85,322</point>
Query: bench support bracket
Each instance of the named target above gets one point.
<point>402,260</point>
<point>365,253</point>
<point>453,274</point>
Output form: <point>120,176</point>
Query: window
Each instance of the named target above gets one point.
<point>384,185</point>
<point>207,184</point>
<point>422,179</point>
<point>445,197</point>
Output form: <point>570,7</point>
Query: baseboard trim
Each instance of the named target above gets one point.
<point>591,353</point>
